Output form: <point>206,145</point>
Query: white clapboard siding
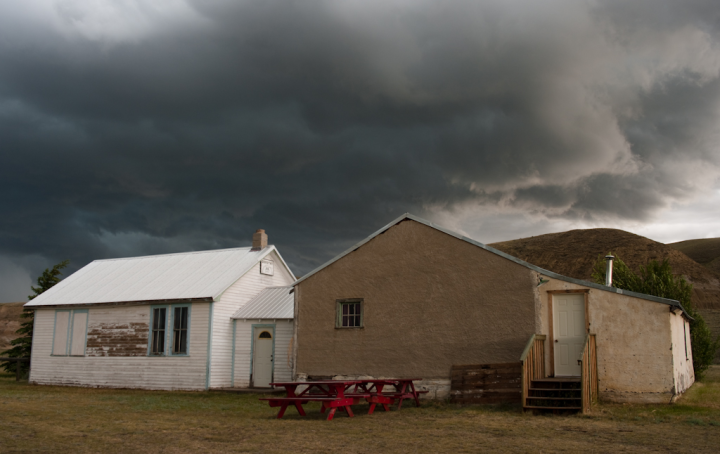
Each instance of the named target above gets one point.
<point>282,365</point>
<point>180,372</point>
<point>231,300</point>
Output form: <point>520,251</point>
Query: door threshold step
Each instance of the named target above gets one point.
<point>555,389</point>
<point>558,380</point>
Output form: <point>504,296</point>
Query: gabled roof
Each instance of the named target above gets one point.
<point>544,272</point>
<point>201,275</point>
<point>270,304</point>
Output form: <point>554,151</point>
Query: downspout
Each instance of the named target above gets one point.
<point>296,290</point>
<point>209,348</point>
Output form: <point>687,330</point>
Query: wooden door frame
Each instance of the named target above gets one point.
<point>252,351</point>
<point>551,321</point>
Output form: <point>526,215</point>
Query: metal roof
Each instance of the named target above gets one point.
<point>270,303</point>
<point>184,276</point>
<point>501,254</point>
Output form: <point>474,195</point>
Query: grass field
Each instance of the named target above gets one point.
<point>65,419</point>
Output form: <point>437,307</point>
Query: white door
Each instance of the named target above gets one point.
<point>262,357</point>
<point>569,332</point>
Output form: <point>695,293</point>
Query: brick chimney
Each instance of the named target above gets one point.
<point>259,240</point>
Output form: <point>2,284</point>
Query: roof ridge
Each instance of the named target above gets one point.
<point>208,251</point>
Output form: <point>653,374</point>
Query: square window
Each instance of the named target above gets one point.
<point>169,330</point>
<point>349,313</point>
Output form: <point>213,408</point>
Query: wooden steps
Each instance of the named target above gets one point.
<point>554,394</point>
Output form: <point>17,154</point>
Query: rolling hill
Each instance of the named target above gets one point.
<point>9,323</point>
<point>573,253</point>
<point>705,251</point>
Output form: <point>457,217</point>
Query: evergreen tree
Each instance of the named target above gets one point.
<point>22,346</point>
<point>656,278</point>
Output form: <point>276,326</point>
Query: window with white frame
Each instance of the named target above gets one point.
<point>169,330</point>
<point>349,313</point>
<point>70,332</point>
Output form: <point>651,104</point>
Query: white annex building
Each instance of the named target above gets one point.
<point>194,321</point>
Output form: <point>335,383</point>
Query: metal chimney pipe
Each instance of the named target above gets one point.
<point>608,270</point>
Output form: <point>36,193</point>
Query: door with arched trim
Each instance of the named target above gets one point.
<point>262,356</point>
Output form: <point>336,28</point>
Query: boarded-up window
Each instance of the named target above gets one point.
<point>79,333</point>
<point>70,332</point>
<point>62,325</point>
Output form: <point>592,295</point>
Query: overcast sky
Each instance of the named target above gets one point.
<point>145,127</point>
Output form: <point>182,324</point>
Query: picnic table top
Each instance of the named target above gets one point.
<point>347,382</point>
<point>318,382</point>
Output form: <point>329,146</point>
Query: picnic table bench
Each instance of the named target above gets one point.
<point>342,394</point>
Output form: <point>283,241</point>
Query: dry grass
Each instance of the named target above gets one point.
<point>63,419</point>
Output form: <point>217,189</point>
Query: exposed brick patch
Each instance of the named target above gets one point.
<point>117,339</point>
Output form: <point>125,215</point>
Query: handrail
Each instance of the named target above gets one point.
<point>533,363</point>
<point>588,373</point>
<point>529,345</point>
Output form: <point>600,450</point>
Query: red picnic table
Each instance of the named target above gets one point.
<point>334,394</point>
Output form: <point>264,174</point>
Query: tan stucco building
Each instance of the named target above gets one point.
<point>414,299</point>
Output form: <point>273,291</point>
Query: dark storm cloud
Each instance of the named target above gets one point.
<point>130,129</point>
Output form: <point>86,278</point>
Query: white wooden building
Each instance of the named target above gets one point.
<point>156,322</point>
<point>262,336</point>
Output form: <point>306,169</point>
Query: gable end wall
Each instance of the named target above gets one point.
<point>236,296</point>
<point>431,301</point>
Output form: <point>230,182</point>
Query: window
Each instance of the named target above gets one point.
<point>169,326</point>
<point>349,313</point>
<point>159,315</point>
<point>70,335</point>
<point>180,323</point>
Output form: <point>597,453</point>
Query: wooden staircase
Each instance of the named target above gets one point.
<point>569,394</point>
<point>554,394</point>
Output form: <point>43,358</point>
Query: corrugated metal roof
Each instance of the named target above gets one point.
<point>560,277</point>
<point>270,303</point>
<point>189,275</point>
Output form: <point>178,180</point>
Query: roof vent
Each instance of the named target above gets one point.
<point>259,240</point>
<point>608,270</point>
